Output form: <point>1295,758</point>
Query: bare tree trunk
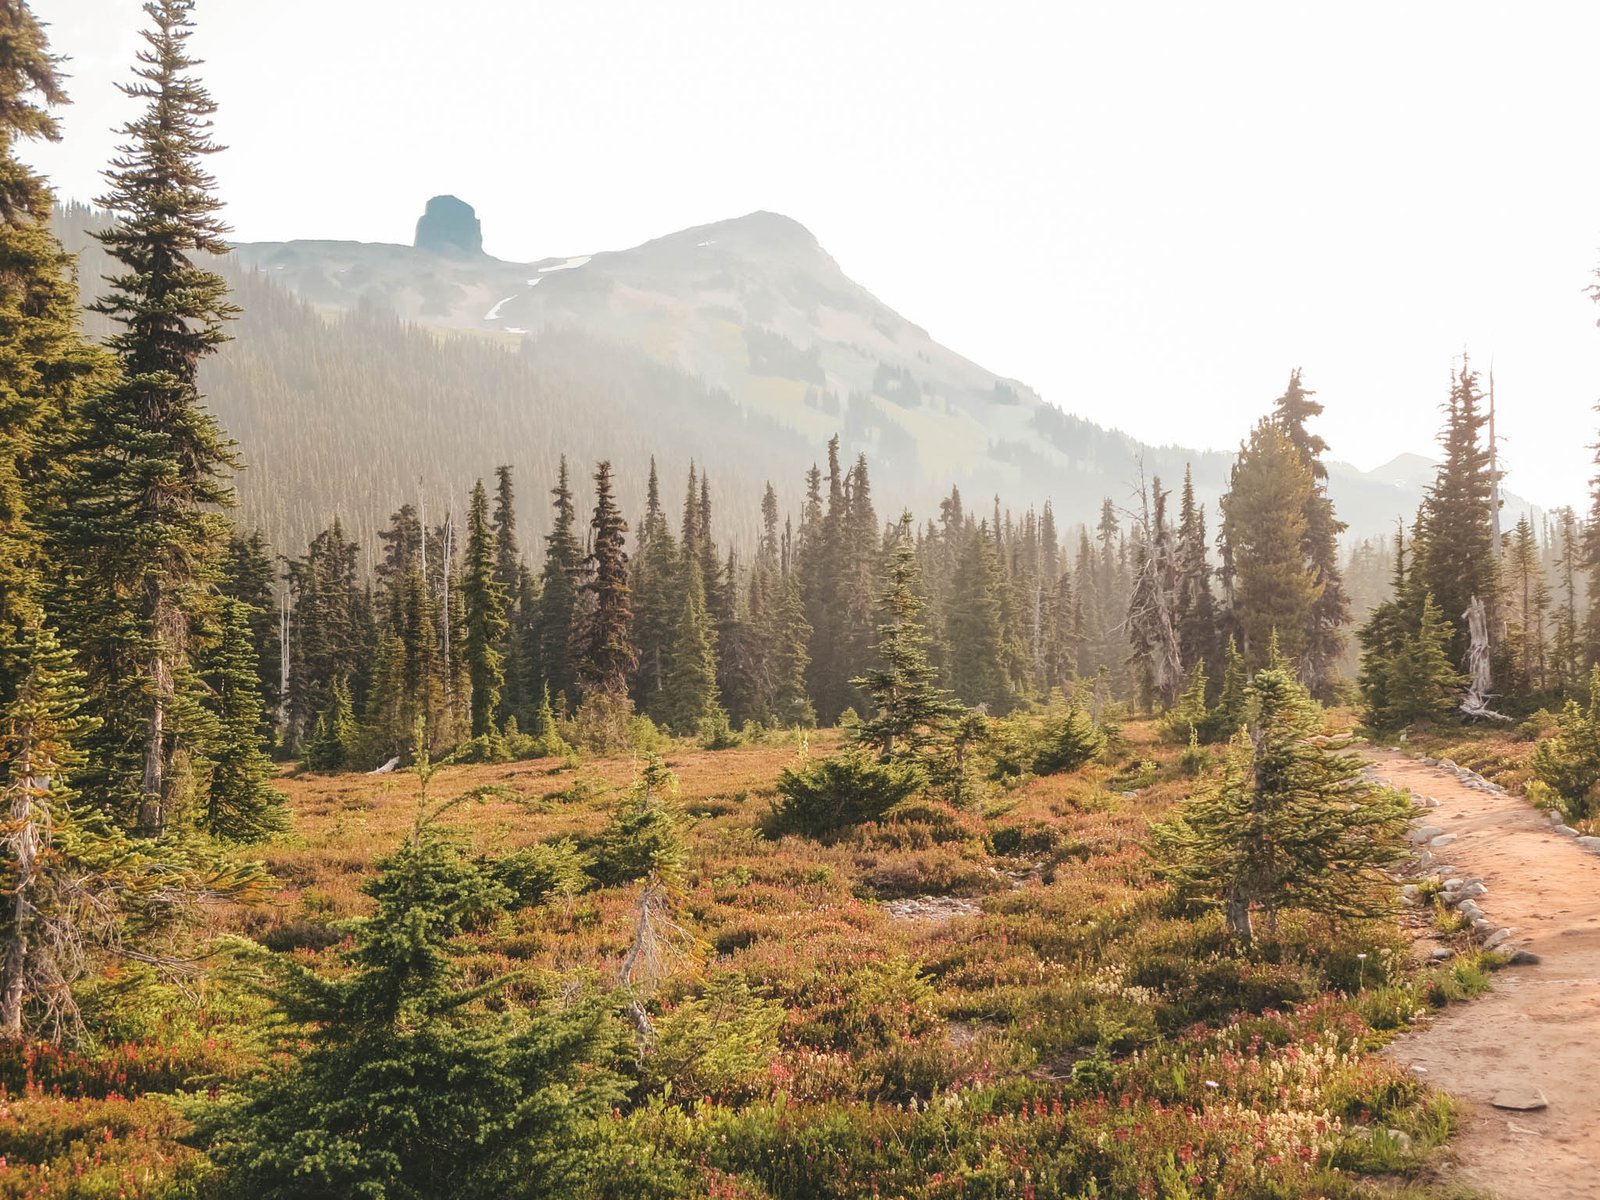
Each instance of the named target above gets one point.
<point>24,839</point>
<point>1238,913</point>
<point>153,809</point>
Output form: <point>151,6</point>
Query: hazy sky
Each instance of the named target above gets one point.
<point>1149,212</point>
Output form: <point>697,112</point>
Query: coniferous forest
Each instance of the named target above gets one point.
<point>564,844</point>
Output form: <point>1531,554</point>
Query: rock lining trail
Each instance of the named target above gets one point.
<point>1535,1035</point>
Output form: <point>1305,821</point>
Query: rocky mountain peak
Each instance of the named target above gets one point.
<point>449,225</point>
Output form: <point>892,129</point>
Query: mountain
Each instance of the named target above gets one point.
<point>363,375</point>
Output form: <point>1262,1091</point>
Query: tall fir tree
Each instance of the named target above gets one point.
<point>973,626</point>
<point>1324,639</point>
<point>559,581</point>
<point>1264,523</point>
<point>483,598</point>
<point>607,656</point>
<point>1196,616</point>
<point>249,576</point>
<point>911,715</point>
<point>241,805</point>
<point>656,575</point>
<point>1455,558</point>
<point>152,465</point>
<point>45,365</point>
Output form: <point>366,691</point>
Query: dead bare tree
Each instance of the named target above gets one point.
<point>1152,620</point>
<point>1479,668</point>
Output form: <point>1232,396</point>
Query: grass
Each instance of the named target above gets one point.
<point>1080,1030</point>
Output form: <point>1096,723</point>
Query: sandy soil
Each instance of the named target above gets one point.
<point>1538,1028</point>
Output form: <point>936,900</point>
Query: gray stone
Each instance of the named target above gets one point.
<point>1499,938</point>
<point>1425,833</point>
<point>1473,890</point>
<point>1424,859</point>
<point>1409,893</point>
<point>1444,839</point>
<point>1452,884</point>
<point>1470,910</point>
<point>1401,1140</point>
<point>1566,831</point>
<point>1524,1099</point>
<point>1524,958</point>
<point>1440,953</point>
<point>1448,764</point>
<point>449,226</point>
<point>1590,843</point>
<point>1482,924</point>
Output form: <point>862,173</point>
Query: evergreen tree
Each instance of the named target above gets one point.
<point>1421,685</point>
<point>1455,558</point>
<point>1233,700</point>
<point>1330,612</point>
<point>607,654</point>
<point>689,690</point>
<point>973,627</point>
<point>1291,824</point>
<point>42,720</point>
<point>1196,615</point>
<point>152,464</point>
<point>790,634</point>
<point>79,894</point>
<point>515,582</point>
<point>483,598</point>
<point>248,577</point>
<point>44,363</point>
<point>1264,522</point>
<point>558,597</point>
<point>656,577</point>
<point>1566,645</point>
<point>1527,605</point>
<point>911,716</point>
<point>405,1085</point>
<point>241,805</point>
<point>334,738</point>
<point>331,630</point>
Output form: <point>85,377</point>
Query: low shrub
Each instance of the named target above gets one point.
<point>549,870</point>
<point>826,795</point>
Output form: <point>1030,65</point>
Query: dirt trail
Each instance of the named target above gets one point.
<point>1538,1027</point>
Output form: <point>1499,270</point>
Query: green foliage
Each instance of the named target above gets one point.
<point>1264,524</point>
<point>912,716</point>
<point>335,739</point>
<point>150,465</point>
<point>645,837</point>
<point>484,599</point>
<point>1406,675</point>
<point>241,805</point>
<point>406,1087</point>
<point>715,732</point>
<point>1067,740</point>
<point>823,796</point>
<point>1233,702</point>
<point>1568,762</point>
<point>717,1044</point>
<point>541,872</point>
<point>1290,823</point>
<point>1188,716</point>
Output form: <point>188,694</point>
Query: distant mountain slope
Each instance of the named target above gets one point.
<point>364,374</point>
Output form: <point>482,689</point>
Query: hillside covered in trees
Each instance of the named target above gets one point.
<point>361,376</point>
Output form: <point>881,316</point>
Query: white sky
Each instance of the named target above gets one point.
<point>1149,212</point>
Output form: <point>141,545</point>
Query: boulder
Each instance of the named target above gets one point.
<point>1498,938</point>
<point>1520,1099</point>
